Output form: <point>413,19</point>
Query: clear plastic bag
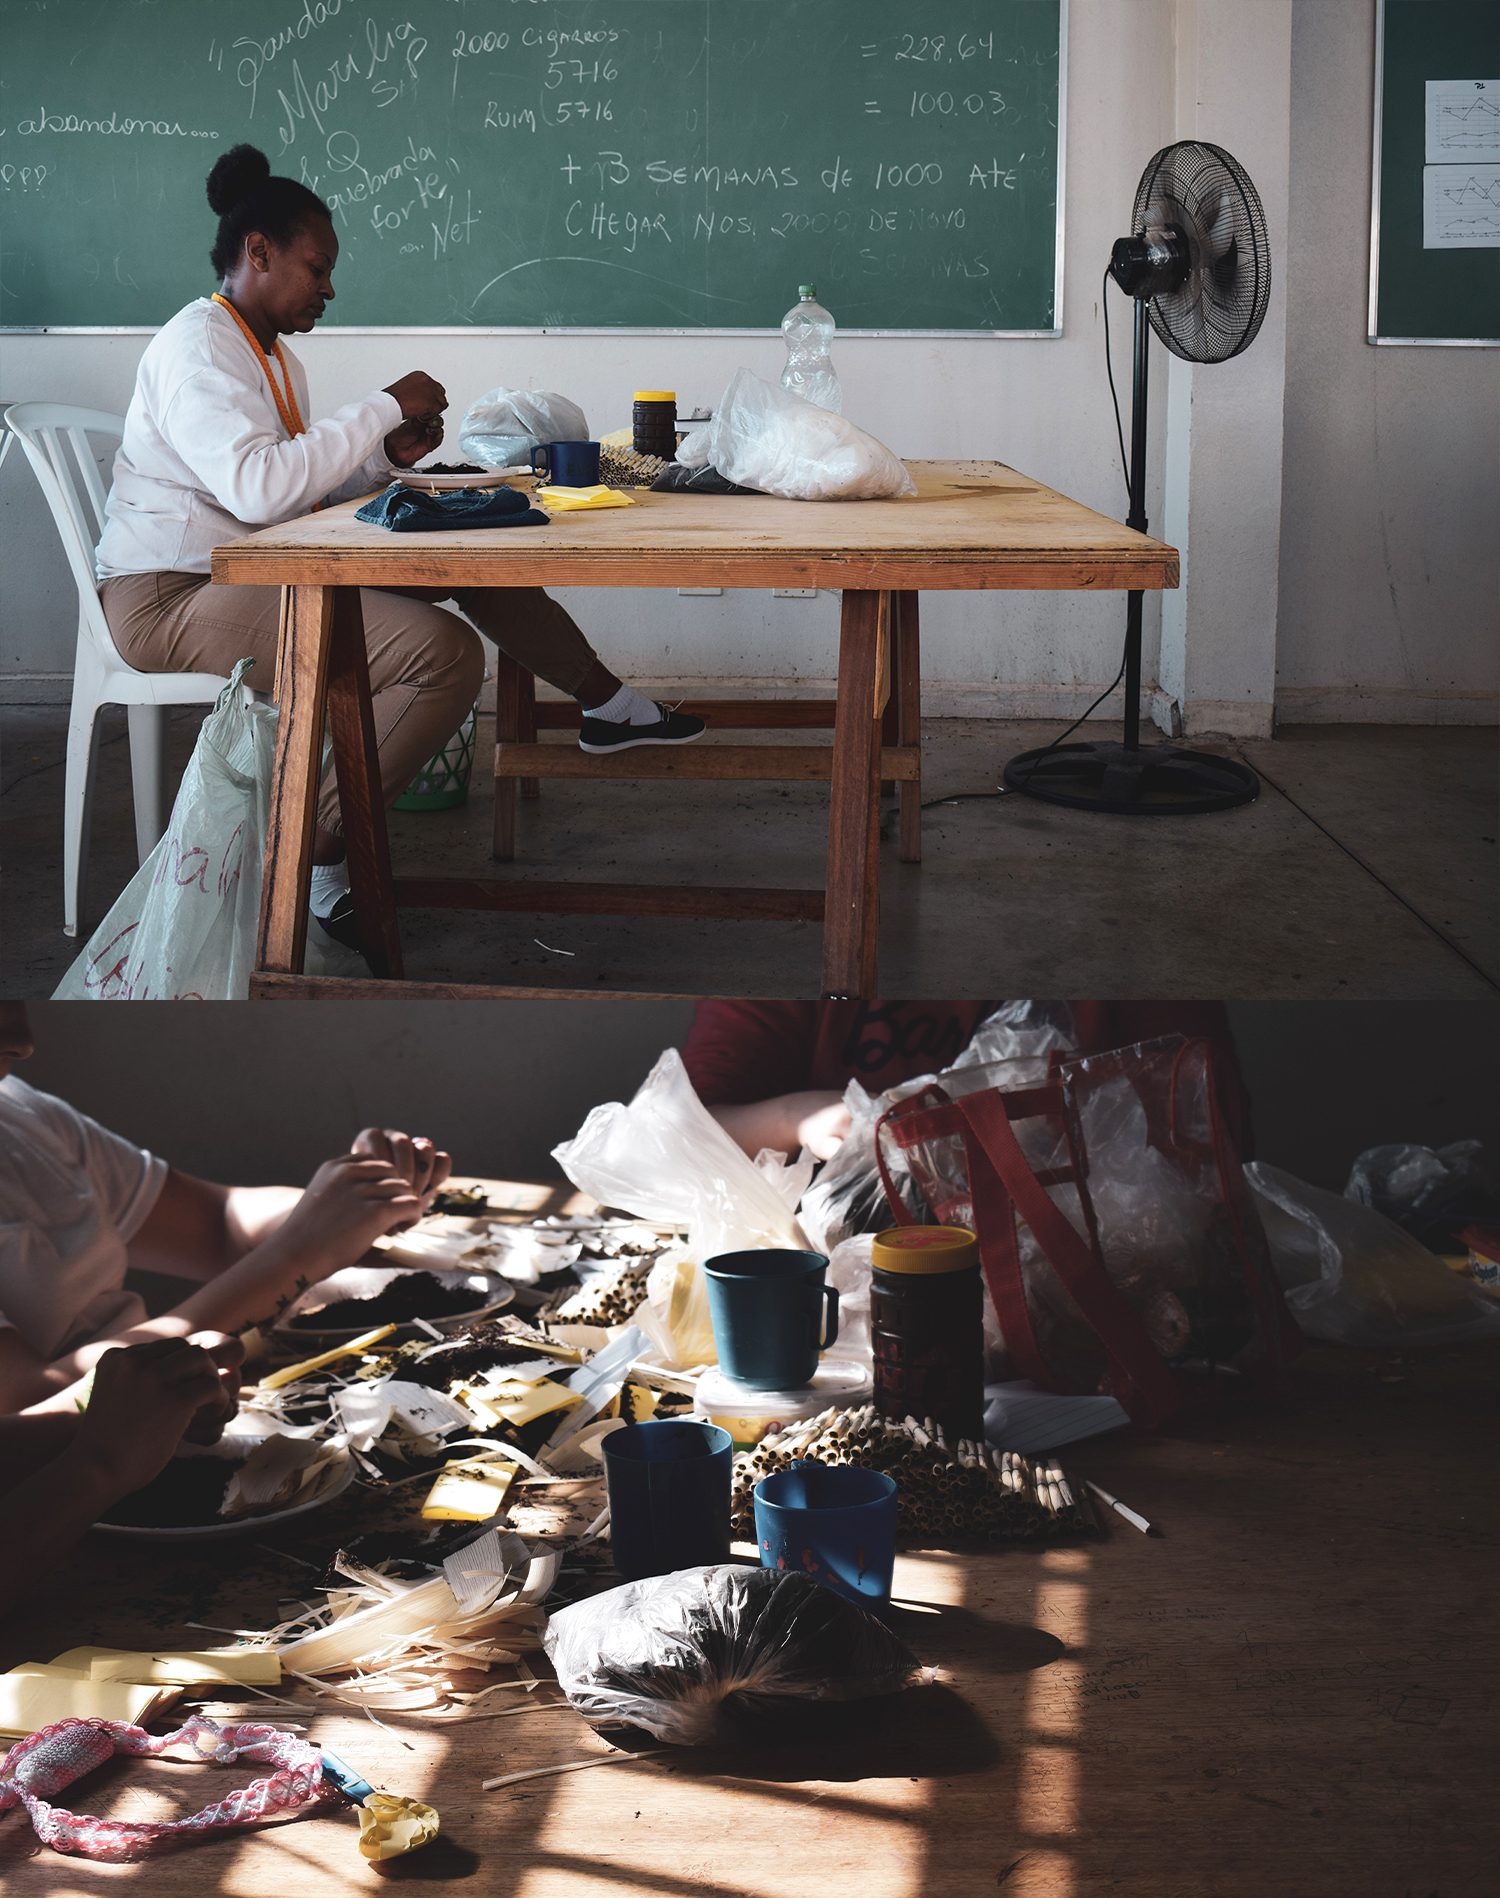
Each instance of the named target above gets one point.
<point>1432,1192</point>
<point>721,1653</point>
<point>1008,1049</point>
<point>1352,1276</point>
<point>1158,1264</point>
<point>762,436</point>
<point>501,428</point>
<point>667,1160</point>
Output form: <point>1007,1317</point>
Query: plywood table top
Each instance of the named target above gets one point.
<point>1289,1692</point>
<point>971,524</point>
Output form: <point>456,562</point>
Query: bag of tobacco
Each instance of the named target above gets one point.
<point>722,1653</point>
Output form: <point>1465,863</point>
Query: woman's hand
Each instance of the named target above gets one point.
<point>419,396</point>
<point>350,1202</point>
<point>423,1166</point>
<point>406,445</point>
<point>147,1397</point>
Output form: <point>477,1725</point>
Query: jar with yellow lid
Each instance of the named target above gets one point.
<point>655,423</point>
<point>927,1325</point>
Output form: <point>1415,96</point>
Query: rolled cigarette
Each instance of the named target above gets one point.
<point>1140,1522</point>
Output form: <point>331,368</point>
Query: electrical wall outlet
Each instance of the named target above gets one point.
<point>794,593</point>
<point>699,593</point>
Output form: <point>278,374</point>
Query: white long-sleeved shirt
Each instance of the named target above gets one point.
<point>205,457</point>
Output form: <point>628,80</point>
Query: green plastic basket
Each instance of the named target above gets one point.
<point>443,782</point>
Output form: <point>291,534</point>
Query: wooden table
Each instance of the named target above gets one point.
<point>1291,1692</point>
<point>971,525</point>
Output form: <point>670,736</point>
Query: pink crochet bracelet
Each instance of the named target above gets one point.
<point>55,1756</point>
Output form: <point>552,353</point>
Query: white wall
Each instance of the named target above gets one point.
<point>1390,517</point>
<point>1348,644</point>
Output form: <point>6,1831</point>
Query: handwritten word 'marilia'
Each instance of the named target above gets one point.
<point>114,125</point>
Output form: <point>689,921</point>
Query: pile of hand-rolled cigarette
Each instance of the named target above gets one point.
<point>963,1490</point>
<point>611,1298</point>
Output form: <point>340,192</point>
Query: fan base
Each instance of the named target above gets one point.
<point>1151,781</point>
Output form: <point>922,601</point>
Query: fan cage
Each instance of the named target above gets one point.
<point>1206,195</point>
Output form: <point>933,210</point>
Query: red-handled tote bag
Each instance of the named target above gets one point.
<point>1120,1246</point>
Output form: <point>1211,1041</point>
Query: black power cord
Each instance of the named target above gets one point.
<point>968,797</point>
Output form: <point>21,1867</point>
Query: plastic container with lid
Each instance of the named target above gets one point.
<point>750,1415</point>
<point>927,1325</point>
<point>655,423</point>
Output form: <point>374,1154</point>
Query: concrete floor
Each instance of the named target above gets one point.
<point>1366,869</point>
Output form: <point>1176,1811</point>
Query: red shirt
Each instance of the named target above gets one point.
<point>752,1051</point>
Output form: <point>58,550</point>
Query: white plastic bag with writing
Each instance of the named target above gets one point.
<point>762,436</point>
<point>501,428</point>
<point>184,927</point>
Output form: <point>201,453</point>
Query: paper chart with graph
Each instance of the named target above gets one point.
<point>1461,179</point>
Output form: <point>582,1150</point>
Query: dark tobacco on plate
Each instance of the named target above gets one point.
<point>413,1295</point>
<point>478,1347</point>
<point>185,1495</point>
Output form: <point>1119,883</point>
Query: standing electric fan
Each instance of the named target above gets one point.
<point>1199,268</point>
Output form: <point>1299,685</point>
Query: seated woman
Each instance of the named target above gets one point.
<point>215,447</point>
<point>59,1473</point>
<point>79,1206</point>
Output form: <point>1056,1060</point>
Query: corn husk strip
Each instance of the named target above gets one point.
<point>568,1766</point>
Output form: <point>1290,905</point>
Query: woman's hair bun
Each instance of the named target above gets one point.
<point>235,175</point>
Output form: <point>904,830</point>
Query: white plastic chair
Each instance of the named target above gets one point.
<point>46,430</point>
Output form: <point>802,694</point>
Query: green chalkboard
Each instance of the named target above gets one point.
<point>567,164</point>
<point>1435,246</point>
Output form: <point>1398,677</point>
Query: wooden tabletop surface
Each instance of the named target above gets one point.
<point>1290,1692</point>
<point>971,524</point>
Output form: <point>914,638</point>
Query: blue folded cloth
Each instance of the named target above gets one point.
<point>409,511</point>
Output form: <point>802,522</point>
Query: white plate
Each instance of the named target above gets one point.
<point>486,478</point>
<point>237,1525</point>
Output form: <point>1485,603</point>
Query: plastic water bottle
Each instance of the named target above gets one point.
<point>808,329</point>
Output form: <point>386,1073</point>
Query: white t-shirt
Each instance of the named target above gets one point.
<point>205,457</point>
<point>72,1196</point>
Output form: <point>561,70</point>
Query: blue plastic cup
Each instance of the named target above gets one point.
<point>772,1314</point>
<point>836,1525</point>
<point>668,1496</point>
<point>568,464</point>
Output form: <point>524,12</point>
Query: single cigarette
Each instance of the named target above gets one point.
<point>292,1372</point>
<point>1140,1522</point>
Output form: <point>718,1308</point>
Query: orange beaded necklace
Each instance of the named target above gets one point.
<point>291,415</point>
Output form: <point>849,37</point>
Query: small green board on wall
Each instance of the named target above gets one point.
<point>1435,188</point>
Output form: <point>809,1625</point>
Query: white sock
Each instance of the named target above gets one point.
<point>627,707</point>
<point>329,882</point>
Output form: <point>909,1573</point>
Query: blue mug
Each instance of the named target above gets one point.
<point>837,1525</point>
<point>668,1495</point>
<point>567,464</point>
<point>772,1314</point>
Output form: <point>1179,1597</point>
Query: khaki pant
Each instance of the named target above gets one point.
<point>426,665</point>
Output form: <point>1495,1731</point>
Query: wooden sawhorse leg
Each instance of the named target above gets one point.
<point>906,700</point>
<point>852,902</point>
<point>322,672</point>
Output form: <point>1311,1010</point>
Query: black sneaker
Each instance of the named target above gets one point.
<point>672,728</point>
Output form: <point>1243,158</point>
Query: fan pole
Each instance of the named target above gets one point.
<point>1136,519</point>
